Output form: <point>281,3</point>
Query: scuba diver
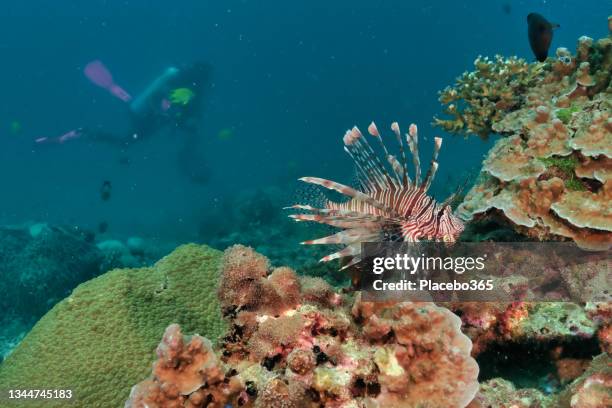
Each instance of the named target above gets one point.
<point>172,102</point>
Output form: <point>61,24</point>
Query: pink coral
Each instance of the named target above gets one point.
<point>187,373</point>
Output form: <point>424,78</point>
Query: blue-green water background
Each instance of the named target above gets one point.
<point>289,78</point>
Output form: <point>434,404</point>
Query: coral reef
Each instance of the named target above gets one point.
<point>39,266</point>
<point>493,323</point>
<point>499,393</point>
<point>117,255</point>
<point>591,389</point>
<point>484,96</point>
<point>294,342</point>
<point>13,329</point>
<point>549,178</point>
<point>101,339</point>
<point>538,349</point>
<point>133,252</point>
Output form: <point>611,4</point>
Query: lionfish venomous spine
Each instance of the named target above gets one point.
<point>389,206</point>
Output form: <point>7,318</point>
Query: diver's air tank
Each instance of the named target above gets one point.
<point>142,103</point>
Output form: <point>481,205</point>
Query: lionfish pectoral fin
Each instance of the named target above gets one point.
<point>348,236</point>
<point>353,261</point>
<point>347,191</point>
<point>350,250</point>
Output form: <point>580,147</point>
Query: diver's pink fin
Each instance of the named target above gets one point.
<point>99,75</point>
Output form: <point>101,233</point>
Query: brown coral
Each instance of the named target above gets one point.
<point>482,97</point>
<point>595,138</point>
<point>245,284</point>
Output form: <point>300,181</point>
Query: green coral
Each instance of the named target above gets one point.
<point>574,184</point>
<point>102,338</point>
<point>565,114</point>
<point>566,164</point>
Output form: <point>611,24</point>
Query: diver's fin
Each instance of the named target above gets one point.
<point>100,76</point>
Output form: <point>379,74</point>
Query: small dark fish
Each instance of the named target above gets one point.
<point>102,227</point>
<point>540,33</point>
<point>105,190</point>
<point>507,8</point>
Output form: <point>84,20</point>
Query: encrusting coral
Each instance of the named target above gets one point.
<point>294,342</point>
<point>549,177</point>
<point>100,340</point>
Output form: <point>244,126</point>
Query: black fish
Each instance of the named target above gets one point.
<point>540,35</point>
<point>105,190</point>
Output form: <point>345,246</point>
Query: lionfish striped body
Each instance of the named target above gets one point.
<point>389,206</point>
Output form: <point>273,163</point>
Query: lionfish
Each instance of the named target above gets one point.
<point>389,206</point>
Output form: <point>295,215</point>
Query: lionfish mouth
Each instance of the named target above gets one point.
<point>389,205</point>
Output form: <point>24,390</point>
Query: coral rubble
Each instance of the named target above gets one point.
<point>549,177</point>
<point>294,342</point>
<point>101,339</point>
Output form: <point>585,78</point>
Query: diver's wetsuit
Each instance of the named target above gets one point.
<point>154,111</point>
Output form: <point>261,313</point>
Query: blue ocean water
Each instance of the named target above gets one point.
<point>285,81</point>
<point>288,79</point>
